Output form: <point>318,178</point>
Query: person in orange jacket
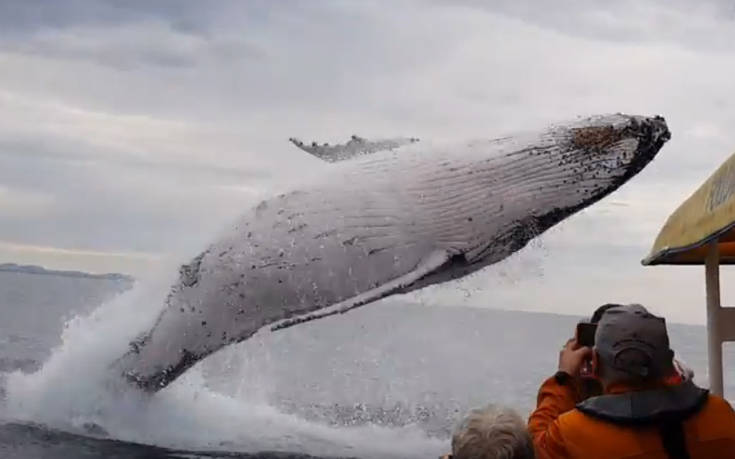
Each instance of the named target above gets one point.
<point>641,414</point>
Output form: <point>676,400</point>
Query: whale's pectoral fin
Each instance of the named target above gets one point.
<point>356,146</point>
<point>428,265</point>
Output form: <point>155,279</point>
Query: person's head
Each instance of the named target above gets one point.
<point>631,347</point>
<point>492,432</point>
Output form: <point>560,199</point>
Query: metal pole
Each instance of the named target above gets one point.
<point>714,339</point>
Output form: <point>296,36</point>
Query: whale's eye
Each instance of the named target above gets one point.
<point>595,136</point>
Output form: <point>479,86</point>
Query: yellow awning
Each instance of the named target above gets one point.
<point>708,214</point>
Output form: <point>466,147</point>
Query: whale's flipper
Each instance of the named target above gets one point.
<point>356,146</point>
<point>428,265</point>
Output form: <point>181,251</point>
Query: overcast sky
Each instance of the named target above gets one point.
<point>131,132</point>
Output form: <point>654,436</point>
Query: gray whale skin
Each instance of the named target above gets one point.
<point>386,217</point>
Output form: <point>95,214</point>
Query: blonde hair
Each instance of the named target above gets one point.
<point>492,432</point>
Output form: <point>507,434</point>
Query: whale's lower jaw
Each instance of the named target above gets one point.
<point>384,225</point>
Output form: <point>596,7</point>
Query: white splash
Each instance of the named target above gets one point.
<point>72,390</point>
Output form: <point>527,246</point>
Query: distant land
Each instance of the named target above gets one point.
<point>32,269</point>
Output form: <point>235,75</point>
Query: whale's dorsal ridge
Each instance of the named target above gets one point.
<point>356,146</point>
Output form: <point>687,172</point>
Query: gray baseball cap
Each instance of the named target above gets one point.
<point>632,340</point>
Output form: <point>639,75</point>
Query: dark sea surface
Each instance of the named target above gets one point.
<point>386,380</point>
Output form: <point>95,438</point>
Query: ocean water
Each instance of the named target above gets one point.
<point>386,380</point>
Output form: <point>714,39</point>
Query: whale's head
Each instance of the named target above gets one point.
<point>579,163</point>
<point>612,148</point>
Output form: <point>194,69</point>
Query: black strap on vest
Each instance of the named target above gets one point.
<point>672,436</point>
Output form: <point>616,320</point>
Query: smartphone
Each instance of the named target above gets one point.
<point>586,334</point>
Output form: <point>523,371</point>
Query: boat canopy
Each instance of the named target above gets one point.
<point>702,232</point>
<point>708,215</point>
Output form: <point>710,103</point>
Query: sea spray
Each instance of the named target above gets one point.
<point>71,383</point>
<point>75,391</point>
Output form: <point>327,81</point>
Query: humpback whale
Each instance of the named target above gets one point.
<point>388,216</point>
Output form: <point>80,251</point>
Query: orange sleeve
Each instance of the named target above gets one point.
<point>553,400</point>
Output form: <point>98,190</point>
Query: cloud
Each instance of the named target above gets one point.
<point>93,261</point>
<point>146,127</point>
<point>130,46</point>
<point>8,246</point>
<point>23,203</point>
<point>679,22</point>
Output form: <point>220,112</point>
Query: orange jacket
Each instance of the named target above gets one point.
<point>560,430</point>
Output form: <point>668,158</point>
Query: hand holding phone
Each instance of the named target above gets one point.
<point>572,357</point>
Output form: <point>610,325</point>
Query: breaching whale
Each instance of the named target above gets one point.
<point>387,217</point>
